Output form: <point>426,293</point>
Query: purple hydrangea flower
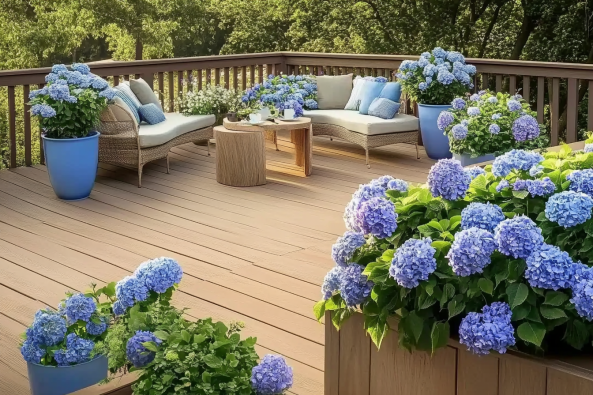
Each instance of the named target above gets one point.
<point>448,179</point>
<point>525,128</point>
<point>581,181</point>
<point>364,193</point>
<point>445,119</point>
<point>514,105</point>
<point>459,132</point>
<point>582,292</point>
<point>470,252</point>
<point>32,352</point>
<point>413,262</point>
<point>473,111</point>
<point>474,97</point>
<point>48,329</point>
<point>520,185</point>
<point>377,216</point>
<point>272,376</point>
<point>489,330</point>
<point>78,350</point>
<point>548,267</point>
<point>354,286</point>
<point>79,307</point>
<point>129,291</point>
<point>475,171</point>
<point>485,216</point>
<point>159,274</point>
<point>43,110</point>
<point>543,187</point>
<point>518,237</point>
<point>397,185</point>
<point>344,247</point>
<point>502,185</point>
<point>515,160</point>
<point>382,181</point>
<point>458,103</point>
<point>331,282</point>
<point>137,353</point>
<point>494,129</point>
<point>569,208</point>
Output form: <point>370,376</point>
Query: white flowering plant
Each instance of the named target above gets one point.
<point>212,99</point>
<point>491,123</point>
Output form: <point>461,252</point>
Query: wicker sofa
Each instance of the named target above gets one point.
<point>365,130</point>
<point>125,143</point>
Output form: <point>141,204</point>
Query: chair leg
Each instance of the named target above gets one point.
<point>367,156</point>
<point>331,139</point>
<point>208,147</point>
<point>168,168</point>
<point>140,175</point>
<point>417,153</point>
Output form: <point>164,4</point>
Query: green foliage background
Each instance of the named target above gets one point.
<point>37,33</point>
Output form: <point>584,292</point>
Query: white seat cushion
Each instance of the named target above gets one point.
<point>175,125</point>
<point>364,124</point>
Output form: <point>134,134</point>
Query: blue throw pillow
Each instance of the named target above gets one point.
<point>128,103</point>
<point>383,108</point>
<point>151,114</point>
<point>392,91</point>
<point>370,91</point>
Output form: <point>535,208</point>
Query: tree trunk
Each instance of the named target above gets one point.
<point>527,27</point>
<point>489,31</point>
<point>139,48</point>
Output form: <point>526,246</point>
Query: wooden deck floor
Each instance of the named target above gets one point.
<point>256,255</point>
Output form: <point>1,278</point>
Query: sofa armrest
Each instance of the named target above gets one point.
<point>115,120</point>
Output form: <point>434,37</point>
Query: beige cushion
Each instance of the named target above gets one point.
<point>144,92</point>
<point>333,91</point>
<point>125,88</point>
<point>122,112</point>
<point>364,124</point>
<point>175,125</point>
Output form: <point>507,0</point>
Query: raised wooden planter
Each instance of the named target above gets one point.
<point>354,366</point>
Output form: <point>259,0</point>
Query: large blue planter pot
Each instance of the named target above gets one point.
<point>72,165</point>
<point>467,160</point>
<point>62,380</point>
<point>436,143</point>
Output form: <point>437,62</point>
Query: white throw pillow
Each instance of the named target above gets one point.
<point>354,101</point>
<point>125,88</point>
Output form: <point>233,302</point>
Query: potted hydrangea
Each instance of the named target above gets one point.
<point>68,109</point>
<point>433,81</point>
<point>60,347</point>
<point>488,124</point>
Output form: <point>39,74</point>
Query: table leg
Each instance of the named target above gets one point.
<point>304,149</point>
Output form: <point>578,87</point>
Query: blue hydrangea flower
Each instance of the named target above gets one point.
<point>515,160</point>
<point>525,128</point>
<point>494,129</point>
<point>38,92</point>
<point>108,93</point>
<point>439,52</point>
<point>470,69</point>
<point>474,97</point>
<point>488,331</point>
<point>475,171</point>
<point>471,251</point>
<point>514,105</point>
<point>78,350</point>
<point>397,185</point>
<point>311,104</point>
<point>465,122</point>
<point>459,132</point>
<point>159,274</point>
<point>422,86</point>
<point>423,62</point>
<point>518,237</point>
<point>137,354</point>
<point>473,111</point>
<point>79,307</point>
<point>59,92</point>
<point>485,216</point>
<point>496,116</point>
<point>520,185</point>
<point>429,70</point>
<point>382,181</point>
<point>581,181</point>
<point>429,80</point>
<point>97,329</point>
<point>81,68</point>
<point>413,262</point>
<point>543,187</point>
<point>536,170</point>
<point>295,105</point>
<point>492,100</point>
<point>445,119</point>
<point>381,80</point>
<point>445,77</point>
<point>364,193</point>
<point>43,110</point>
<point>32,352</point>
<point>548,267</point>
<point>298,78</point>
<point>291,78</point>
<point>344,247</point>
<point>48,329</point>
<point>455,56</point>
<point>331,282</point>
<point>129,291</point>
<point>448,180</point>
<point>458,103</point>
<point>377,216</point>
<point>502,185</point>
<point>588,148</point>
<point>99,83</point>
<point>426,55</point>
<point>354,286</point>
<point>582,292</point>
<point>118,308</point>
<point>272,376</point>
<point>56,68</point>
<point>569,208</point>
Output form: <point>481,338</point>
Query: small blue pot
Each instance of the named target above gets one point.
<point>62,380</point>
<point>436,143</point>
<point>467,160</point>
<point>72,165</point>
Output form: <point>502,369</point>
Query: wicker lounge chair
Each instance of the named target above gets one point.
<point>124,143</point>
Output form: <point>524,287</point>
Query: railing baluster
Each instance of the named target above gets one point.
<point>12,125</point>
<point>115,80</point>
<point>171,91</point>
<point>243,78</point>
<point>27,125</point>
<point>260,73</point>
<point>190,78</point>
<point>590,108</point>
<point>572,113</point>
<point>498,83</point>
<point>485,81</point>
<point>526,88</point>
<point>269,70</point>
<point>200,77</point>
<point>512,84</point>
<point>235,82</point>
<point>161,79</point>
<point>217,76</point>
<point>41,150</point>
<point>251,75</point>
<point>226,78</point>
<point>555,108</point>
<point>179,84</point>
<point>540,99</point>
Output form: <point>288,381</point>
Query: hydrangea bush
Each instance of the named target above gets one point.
<point>71,102</point>
<point>488,123</point>
<point>499,258</point>
<point>437,77</point>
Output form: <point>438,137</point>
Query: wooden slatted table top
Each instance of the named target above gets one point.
<point>278,124</point>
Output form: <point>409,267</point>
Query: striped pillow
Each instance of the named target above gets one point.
<point>125,88</point>
<point>128,103</point>
<point>151,114</point>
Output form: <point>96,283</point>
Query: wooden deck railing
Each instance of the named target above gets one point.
<point>555,90</point>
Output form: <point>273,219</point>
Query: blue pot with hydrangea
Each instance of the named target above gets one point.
<point>60,345</point>
<point>68,109</point>
<point>433,81</point>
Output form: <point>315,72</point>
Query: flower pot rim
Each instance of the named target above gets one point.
<point>435,105</point>
<point>92,135</point>
<point>69,366</point>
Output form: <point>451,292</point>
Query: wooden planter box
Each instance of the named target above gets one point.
<point>354,366</point>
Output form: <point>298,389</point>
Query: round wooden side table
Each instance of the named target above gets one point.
<point>240,157</point>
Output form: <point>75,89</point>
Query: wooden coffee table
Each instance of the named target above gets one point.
<point>301,136</point>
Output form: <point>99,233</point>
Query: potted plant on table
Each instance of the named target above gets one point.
<point>433,81</point>
<point>60,347</point>
<point>213,99</point>
<point>489,124</point>
<point>68,109</point>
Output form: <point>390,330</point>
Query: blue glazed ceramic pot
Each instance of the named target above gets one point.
<point>436,143</point>
<point>62,380</point>
<point>467,160</point>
